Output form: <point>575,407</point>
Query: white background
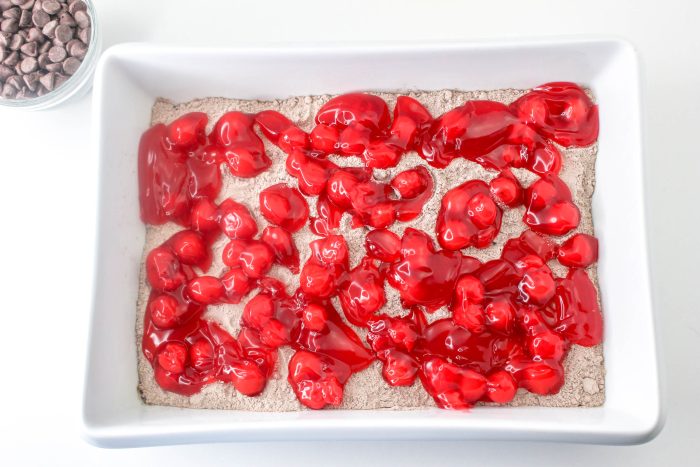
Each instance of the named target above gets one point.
<point>47,191</point>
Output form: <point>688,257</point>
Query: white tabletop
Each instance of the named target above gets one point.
<point>47,191</point>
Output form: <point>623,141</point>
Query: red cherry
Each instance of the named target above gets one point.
<point>258,311</point>
<point>274,334</point>
<point>361,293</point>
<point>247,162</point>
<point>549,207</point>
<point>204,216</point>
<point>379,155</point>
<point>314,380</point>
<point>482,210</point>
<point>188,130</point>
<point>365,109</point>
<point>410,183</point>
<point>469,288</point>
<point>236,285</point>
<point>381,215</point>
<point>399,369</point>
<point>281,131</point>
<point>331,251</point>
<point>507,190</point>
<point>452,387</point>
<point>383,245</point>
<point>246,377</point>
<point>236,220</point>
<point>541,378</point>
<point>340,184</point>
<point>311,174</point>
<point>500,315</point>
<point>546,345</point>
<point>244,151</point>
<point>537,286</point>
<point>232,252</point>
<point>284,206</point>
<point>164,311</point>
<point>579,251</point>
<point>316,280</point>
<point>163,269</point>
<point>189,247</point>
<point>204,179</point>
<point>387,333</point>
<point>256,259</point>
<point>314,317</point>
<point>354,139</point>
<point>210,154</point>
<point>324,138</point>
<point>470,316</point>
<point>282,244</point>
<point>172,357</point>
<point>201,355</point>
<point>500,387</point>
<point>206,290</point>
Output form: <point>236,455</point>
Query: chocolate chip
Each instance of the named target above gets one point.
<point>49,28</point>
<point>56,67</point>
<point>84,35</point>
<point>27,5</point>
<point>48,80</point>
<point>3,53</point>
<point>66,19</point>
<point>51,7</point>
<point>5,38</point>
<point>25,19</point>
<point>71,65</point>
<point>5,72</point>
<point>28,65</point>
<point>81,17</point>
<point>9,91</point>
<point>16,42</point>
<point>15,81</point>
<point>45,47</point>
<point>40,18</point>
<point>79,50</point>
<point>35,35</point>
<point>13,12</point>
<point>77,5</point>
<point>9,25</point>
<point>43,60</point>
<point>12,59</point>
<point>60,79</point>
<point>57,54</point>
<point>29,49</point>
<point>64,33</point>
<point>31,80</point>
<point>18,2</point>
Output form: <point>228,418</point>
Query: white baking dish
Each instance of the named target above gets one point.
<point>130,77</point>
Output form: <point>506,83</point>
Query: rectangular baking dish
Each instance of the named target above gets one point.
<point>131,76</point>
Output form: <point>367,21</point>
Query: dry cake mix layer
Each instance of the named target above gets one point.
<point>367,388</point>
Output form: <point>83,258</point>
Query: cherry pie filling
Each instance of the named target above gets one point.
<point>511,323</point>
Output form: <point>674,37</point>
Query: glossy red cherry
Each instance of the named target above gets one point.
<point>399,369</point>
<point>232,252</point>
<point>330,251</point>
<point>274,334</point>
<point>499,316</point>
<point>312,174</point>
<point>316,280</point>
<point>236,285</point>
<point>541,378</point>
<point>281,131</point>
<point>549,207</point>
<point>537,286</point>
<point>202,355</point>
<point>282,244</point>
<point>205,290</point>
<point>258,311</point>
<point>244,151</point>
<point>354,139</point>
<point>163,269</point>
<point>324,138</point>
<point>204,216</point>
<point>560,111</point>
<point>379,155</point>
<point>361,293</point>
<point>341,183</point>
<point>256,259</point>
<point>383,245</point>
<point>314,317</point>
<point>172,357</point>
<point>284,206</point>
<point>546,345</point>
<point>507,189</point>
<point>468,217</point>
<point>579,251</point>
<point>410,183</point>
<point>315,379</point>
<point>364,109</point>
<point>246,377</point>
<point>452,387</point>
<point>164,311</point>
<point>236,221</point>
<point>190,248</point>
<point>500,387</point>
<point>188,130</point>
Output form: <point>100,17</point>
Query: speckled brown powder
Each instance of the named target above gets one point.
<point>585,372</point>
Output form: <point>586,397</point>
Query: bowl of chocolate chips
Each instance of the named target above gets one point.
<point>48,51</point>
